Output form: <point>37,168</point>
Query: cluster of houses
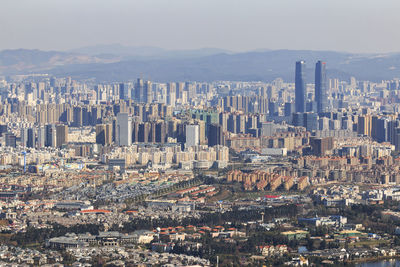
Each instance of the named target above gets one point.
<point>111,238</point>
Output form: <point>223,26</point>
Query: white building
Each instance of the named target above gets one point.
<point>124,129</point>
<point>192,135</point>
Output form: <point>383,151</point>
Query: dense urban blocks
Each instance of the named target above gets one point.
<point>252,172</point>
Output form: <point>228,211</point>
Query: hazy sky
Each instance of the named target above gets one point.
<point>239,25</point>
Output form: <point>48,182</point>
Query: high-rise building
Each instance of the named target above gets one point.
<point>161,132</point>
<point>334,84</point>
<point>323,124</point>
<point>202,131</point>
<point>31,140</point>
<point>191,90</point>
<point>51,135</point>
<point>192,135</point>
<point>122,90</point>
<point>101,134</point>
<point>41,137</point>
<point>24,137</point>
<point>310,121</point>
<point>273,108</point>
<point>215,135</point>
<point>144,132</point>
<point>85,116</point>
<point>135,131</point>
<point>321,90</point>
<point>148,92</point>
<point>3,129</point>
<point>171,94</point>
<point>232,123</point>
<point>289,109</point>
<point>223,121</point>
<point>179,89</point>
<point>300,87</point>
<point>61,135</point>
<point>104,134</point>
<point>364,125</point>
<point>152,133</point>
<point>298,119</point>
<point>78,117</point>
<point>271,92</point>
<point>124,129</point>
<point>11,140</point>
<point>139,91</point>
<point>143,91</point>
<point>383,129</point>
<point>320,146</point>
<point>396,139</point>
<point>241,123</point>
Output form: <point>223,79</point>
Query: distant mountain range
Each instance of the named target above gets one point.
<point>22,61</point>
<point>122,63</point>
<point>146,52</point>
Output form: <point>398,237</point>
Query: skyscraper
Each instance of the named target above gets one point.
<point>321,90</point>
<point>41,137</point>
<point>104,134</point>
<point>289,109</point>
<point>31,142</point>
<point>78,117</point>
<point>300,87</point>
<point>161,132</point>
<point>364,125</point>
<point>320,146</point>
<point>192,135</point>
<point>148,92</point>
<point>215,135</point>
<point>139,91</point>
<point>61,135</point>
<point>24,137</point>
<point>51,135</point>
<point>179,89</point>
<point>124,129</point>
<point>3,129</point>
<point>143,91</point>
<point>122,91</point>
<point>171,94</point>
<point>10,140</point>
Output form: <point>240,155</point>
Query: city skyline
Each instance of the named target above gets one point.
<point>101,157</point>
<point>168,145</point>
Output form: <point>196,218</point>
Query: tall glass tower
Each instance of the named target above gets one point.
<point>321,92</point>
<point>300,87</point>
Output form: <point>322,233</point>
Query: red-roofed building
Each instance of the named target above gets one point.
<point>95,211</point>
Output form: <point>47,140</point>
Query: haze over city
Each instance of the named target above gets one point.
<point>186,133</point>
<point>354,26</point>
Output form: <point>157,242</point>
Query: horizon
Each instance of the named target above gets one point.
<point>73,49</point>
